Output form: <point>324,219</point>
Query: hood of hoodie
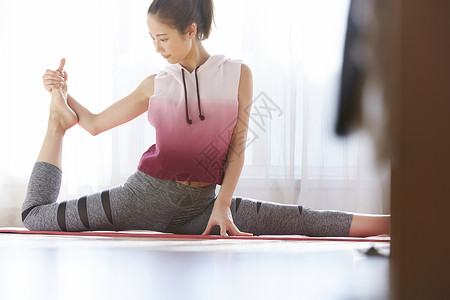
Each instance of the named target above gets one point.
<point>178,72</point>
<point>211,64</point>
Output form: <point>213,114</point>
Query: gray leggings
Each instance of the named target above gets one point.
<point>148,203</point>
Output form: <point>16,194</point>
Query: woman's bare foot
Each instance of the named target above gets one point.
<point>370,225</point>
<point>61,115</point>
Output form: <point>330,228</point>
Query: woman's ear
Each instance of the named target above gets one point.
<point>192,30</point>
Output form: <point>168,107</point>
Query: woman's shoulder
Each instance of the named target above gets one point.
<point>245,91</point>
<point>147,85</point>
<point>245,73</point>
<point>149,81</point>
<point>245,70</point>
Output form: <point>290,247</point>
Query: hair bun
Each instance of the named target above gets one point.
<point>181,14</point>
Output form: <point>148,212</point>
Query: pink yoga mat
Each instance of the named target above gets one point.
<point>158,235</point>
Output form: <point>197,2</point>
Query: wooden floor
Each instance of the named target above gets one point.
<point>68,267</point>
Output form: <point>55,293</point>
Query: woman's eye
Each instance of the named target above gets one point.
<point>163,40</point>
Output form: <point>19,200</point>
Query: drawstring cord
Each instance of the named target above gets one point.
<point>202,117</point>
<point>189,121</point>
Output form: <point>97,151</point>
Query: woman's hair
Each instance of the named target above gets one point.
<point>182,13</point>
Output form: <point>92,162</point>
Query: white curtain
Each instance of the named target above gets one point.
<point>293,47</point>
<point>295,50</point>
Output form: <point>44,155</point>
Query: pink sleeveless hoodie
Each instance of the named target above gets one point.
<point>194,115</point>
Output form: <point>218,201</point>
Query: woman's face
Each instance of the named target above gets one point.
<point>168,41</point>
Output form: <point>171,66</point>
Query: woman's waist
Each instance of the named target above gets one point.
<point>194,183</point>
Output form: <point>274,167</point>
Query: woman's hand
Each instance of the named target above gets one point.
<point>221,215</point>
<point>56,79</point>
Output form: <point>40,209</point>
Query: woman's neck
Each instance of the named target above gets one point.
<point>196,57</point>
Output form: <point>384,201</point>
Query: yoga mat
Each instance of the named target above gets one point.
<point>160,235</point>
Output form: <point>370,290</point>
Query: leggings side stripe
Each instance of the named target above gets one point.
<point>26,212</point>
<point>107,206</point>
<point>258,206</point>
<point>238,202</point>
<point>61,216</point>
<point>82,211</point>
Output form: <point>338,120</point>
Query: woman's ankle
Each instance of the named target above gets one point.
<point>56,124</point>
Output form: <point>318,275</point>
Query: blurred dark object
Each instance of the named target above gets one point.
<point>397,87</point>
<point>365,80</point>
<point>350,90</point>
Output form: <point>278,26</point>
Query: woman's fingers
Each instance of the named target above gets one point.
<point>52,81</point>
<point>223,231</point>
<point>231,228</point>
<point>207,230</point>
<point>61,65</point>
<point>52,77</point>
<point>52,73</point>
<point>235,231</point>
<point>55,79</point>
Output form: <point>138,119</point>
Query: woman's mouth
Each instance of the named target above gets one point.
<point>166,56</point>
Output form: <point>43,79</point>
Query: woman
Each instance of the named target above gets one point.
<point>199,107</point>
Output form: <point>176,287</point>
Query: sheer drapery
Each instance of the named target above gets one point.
<point>293,47</point>
<point>295,51</point>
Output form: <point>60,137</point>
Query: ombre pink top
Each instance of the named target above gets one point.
<point>188,148</point>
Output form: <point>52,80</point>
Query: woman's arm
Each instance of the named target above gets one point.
<point>221,214</point>
<point>118,113</point>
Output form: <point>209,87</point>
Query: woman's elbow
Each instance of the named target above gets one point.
<point>94,131</point>
<point>91,129</point>
<point>91,126</point>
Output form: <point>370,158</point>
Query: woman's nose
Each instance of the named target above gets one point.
<point>158,47</point>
